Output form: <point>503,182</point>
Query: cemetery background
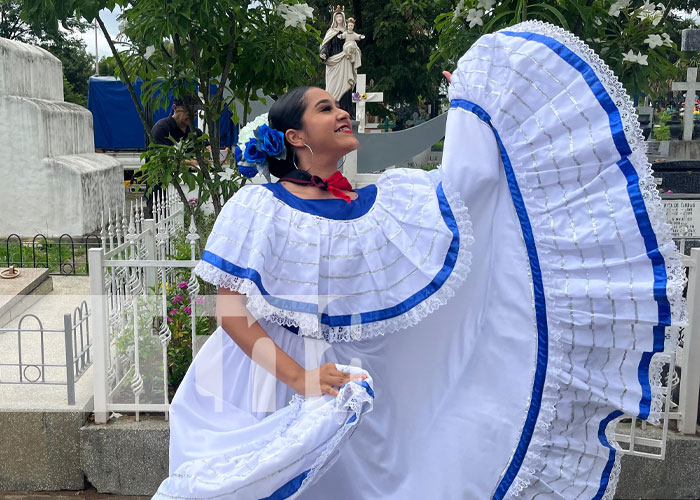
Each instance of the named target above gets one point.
<point>127,359</point>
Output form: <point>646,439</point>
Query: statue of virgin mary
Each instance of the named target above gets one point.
<point>341,69</point>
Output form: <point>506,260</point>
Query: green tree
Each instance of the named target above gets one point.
<point>183,47</point>
<point>632,36</point>
<point>107,66</point>
<point>400,40</point>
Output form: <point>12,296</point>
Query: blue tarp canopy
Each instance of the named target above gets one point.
<point>117,124</point>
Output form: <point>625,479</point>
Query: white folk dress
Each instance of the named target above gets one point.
<point>507,306</point>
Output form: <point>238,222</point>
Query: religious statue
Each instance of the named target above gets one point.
<point>341,55</point>
<point>350,48</point>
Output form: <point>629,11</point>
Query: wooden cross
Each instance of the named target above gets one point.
<point>690,86</point>
<point>360,105</point>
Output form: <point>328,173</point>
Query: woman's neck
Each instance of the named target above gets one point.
<point>324,172</point>
<point>323,167</point>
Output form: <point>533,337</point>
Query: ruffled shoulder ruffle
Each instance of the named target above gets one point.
<point>343,271</point>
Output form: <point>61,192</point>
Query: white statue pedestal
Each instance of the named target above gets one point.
<point>53,181</point>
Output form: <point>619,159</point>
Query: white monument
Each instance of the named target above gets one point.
<point>53,182</point>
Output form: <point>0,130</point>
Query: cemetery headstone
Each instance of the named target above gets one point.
<point>679,183</point>
<point>690,42</point>
<point>53,181</point>
<point>691,87</point>
<point>646,119</point>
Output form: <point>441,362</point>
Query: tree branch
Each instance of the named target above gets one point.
<point>580,19</point>
<point>666,12</point>
<point>227,65</point>
<point>125,76</point>
<point>180,192</point>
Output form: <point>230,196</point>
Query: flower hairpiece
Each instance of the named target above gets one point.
<point>257,142</point>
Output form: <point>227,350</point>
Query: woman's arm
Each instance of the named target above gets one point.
<point>245,331</point>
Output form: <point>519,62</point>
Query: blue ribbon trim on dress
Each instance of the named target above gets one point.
<point>540,305</point>
<point>643,222</point>
<point>289,488</point>
<point>361,318</point>
<point>329,208</point>
<point>636,199</point>
<point>605,478</point>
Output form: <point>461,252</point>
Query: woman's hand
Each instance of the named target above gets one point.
<point>326,379</point>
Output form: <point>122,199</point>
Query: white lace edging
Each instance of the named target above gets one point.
<point>355,403</point>
<point>308,324</point>
<point>352,397</point>
<point>534,459</point>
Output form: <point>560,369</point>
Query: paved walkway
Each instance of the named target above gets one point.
<point>90,494</point>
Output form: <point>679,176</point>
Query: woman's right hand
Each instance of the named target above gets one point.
<point>326,379</point>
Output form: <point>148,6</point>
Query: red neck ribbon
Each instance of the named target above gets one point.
<point>336,184</point>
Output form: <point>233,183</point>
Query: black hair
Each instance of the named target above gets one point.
<point>286,114</point>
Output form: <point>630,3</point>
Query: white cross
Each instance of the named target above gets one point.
<point>690,86</point>
<point>360,105</point>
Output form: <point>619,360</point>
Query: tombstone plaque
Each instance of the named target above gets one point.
<point>684,217</point>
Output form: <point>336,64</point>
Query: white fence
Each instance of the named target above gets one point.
<point>131,279</point>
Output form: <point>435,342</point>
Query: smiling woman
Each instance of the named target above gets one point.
<point>496,350</point>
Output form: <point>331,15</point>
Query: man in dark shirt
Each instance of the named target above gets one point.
<point>176,126</point>
<point>167,131</point>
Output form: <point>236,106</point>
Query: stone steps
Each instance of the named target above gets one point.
<point>20,293</point>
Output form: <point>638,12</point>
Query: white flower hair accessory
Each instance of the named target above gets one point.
<point>257,141</point>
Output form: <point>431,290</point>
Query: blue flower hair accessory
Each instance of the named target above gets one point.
<point>257,142</point>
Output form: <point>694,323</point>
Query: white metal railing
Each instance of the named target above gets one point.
<point>680,378</point>
<point>31,365</point>
<point>131,277</point>
<point>689,350</point>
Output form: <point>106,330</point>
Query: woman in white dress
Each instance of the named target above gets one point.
<point>496,315</point>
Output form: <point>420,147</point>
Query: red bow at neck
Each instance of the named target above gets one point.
<point>336,184</point>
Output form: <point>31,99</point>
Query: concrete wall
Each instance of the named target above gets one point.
<point>40,451</point>
<point>53,182</point>
<point>29,71</point>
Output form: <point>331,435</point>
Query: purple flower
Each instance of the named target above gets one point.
<point>188,310</point>
<point>182,285</point>
<point>200,300</point>
<point>192,201</point>
<point>173,312</point>
<point>178,299</point>
<point>170,320</point>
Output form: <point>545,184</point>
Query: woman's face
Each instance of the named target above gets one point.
<point>339,21</point>
<point>326,127</point>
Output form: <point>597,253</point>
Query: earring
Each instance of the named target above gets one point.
<point>312,156</point>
